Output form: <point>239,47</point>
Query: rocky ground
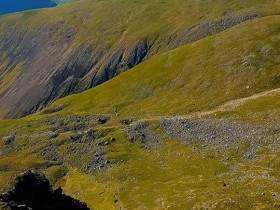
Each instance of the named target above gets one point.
<point>221,135</point>
<point>89,142</point>
<point>33,192</point>
<point>90,136</point>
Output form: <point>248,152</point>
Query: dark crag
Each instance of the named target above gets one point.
<point>32,191</point>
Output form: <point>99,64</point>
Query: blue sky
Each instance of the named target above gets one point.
<point>10,6</point>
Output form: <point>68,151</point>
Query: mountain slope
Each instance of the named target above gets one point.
<point>236,63</point>
<point>76,46</point>
<point>131,143</point>
<point>263,108</point>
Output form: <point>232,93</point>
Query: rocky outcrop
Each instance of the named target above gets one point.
<point>33,192</point>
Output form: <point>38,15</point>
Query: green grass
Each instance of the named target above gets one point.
<point>113,25</point>
<point>263,110</point>
<point>154,180</point>
<point>7,78</point>
<point>236,63</point>
<point>195,77</point>
<point>174,176</point>
<point>124,21</point>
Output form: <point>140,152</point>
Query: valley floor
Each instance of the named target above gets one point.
<point>206,160</point>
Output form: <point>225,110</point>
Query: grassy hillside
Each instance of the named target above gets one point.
<point>233,64</point>
<point>260,110</point>
<point>131,143</point>
<point>76,46</point>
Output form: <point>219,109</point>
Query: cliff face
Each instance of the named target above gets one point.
<point>46,55</point>
<point>42,66</point>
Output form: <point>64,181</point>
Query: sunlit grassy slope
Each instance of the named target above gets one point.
<point>114,35</point>
<point>261,110</point>
<point>109,21</point>
<point>236,63</point>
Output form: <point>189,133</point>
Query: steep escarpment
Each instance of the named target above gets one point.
<point>48,54</point>
<point>56,67</point>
